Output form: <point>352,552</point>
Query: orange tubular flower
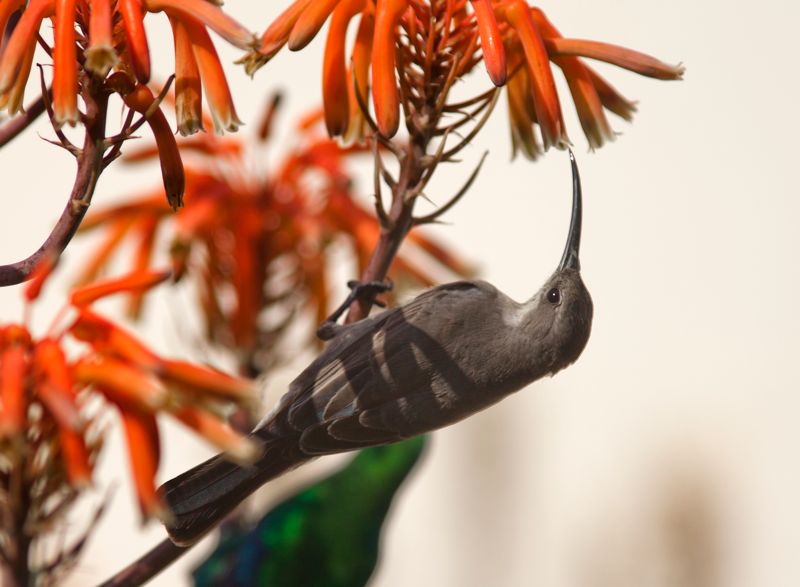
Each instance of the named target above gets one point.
<point>7,8</point>
<point>220,101</point>
<point>276,36</point>
<point>309,23</point>
<point>209,382</point>
<point>88,294</point>
<point>335,85</point>
<point>141,434</point>
<point>582,80</point>
<point>43,395</point>
<point>545,97</point>
<point>17,56</point>
<point>111,35</point>
<point>209,15</point>
<point>141,100</point>
<point>493,52</point>
<point>122,383</point>
<point>384,91</point>
<point>65,91</point>
<point>100,54</point>
<point>188,88</point>
<point>359,73</point>
<point>522,114</point>
<point>110,339</point>
<point>55,377</point>
<point>136,38</point>
<point>12,388</point>
<point>439,41</point>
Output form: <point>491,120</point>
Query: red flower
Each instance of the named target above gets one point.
<point>111,35</point>
<point>514,40</point>
<point>44,394</point>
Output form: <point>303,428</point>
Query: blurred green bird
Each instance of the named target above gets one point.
<point>325,536</point>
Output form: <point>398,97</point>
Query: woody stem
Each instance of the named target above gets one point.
<point>399,219</point>
<point>90,165</point>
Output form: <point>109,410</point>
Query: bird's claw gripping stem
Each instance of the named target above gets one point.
<point>359,291</point>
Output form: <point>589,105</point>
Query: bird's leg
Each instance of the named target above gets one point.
<point>359,290</point>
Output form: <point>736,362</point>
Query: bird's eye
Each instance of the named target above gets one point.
<point>554,296</point>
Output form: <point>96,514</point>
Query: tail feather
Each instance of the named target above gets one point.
<point>201,497</point>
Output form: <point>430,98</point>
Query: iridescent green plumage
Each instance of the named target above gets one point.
<point>325,536</point>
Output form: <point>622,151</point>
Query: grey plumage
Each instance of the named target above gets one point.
<point>449,353</point>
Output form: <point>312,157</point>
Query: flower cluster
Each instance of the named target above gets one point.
<point>257,241</point>
<point>410,45</point>
<point>94,38</point>
<point>48,399</point>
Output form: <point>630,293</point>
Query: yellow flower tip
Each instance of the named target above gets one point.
<point>229,122</point>
<point>189,126</point>
<point>174,187</point>
<point>629,109</point>
<point>254,60</point>
<point>100,59</point>
<point>14,105</point>
<point>62,117</point>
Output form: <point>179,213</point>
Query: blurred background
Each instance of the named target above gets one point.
<point>668,455</point>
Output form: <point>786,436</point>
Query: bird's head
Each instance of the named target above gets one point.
<point>563,305</point>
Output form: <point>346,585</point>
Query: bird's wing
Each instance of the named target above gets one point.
<point>376,382</point>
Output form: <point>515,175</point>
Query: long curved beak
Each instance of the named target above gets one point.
<point>570,258</point>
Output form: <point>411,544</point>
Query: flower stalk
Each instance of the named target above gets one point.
<point>90,166</point>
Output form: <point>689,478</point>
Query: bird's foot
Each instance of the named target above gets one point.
<point>359,291</point>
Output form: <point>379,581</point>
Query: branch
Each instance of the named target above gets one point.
<point>433,217</point>
<point>90,161</point>
<point>148,566</point>
<point>11,129</point>
<point>475,130</point>
<point>63,141</point>
<point>393,230</point>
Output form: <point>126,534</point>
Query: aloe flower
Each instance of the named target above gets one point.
<point>396,39</point>
<point>49,392</point>
<point>104,35</point>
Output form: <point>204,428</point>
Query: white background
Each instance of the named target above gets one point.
<point>668,455</point>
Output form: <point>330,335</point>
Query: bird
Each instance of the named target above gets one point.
<point>336,522</point>
<point>450,352</point>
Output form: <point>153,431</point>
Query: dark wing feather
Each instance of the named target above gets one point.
<point>361,390</point>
